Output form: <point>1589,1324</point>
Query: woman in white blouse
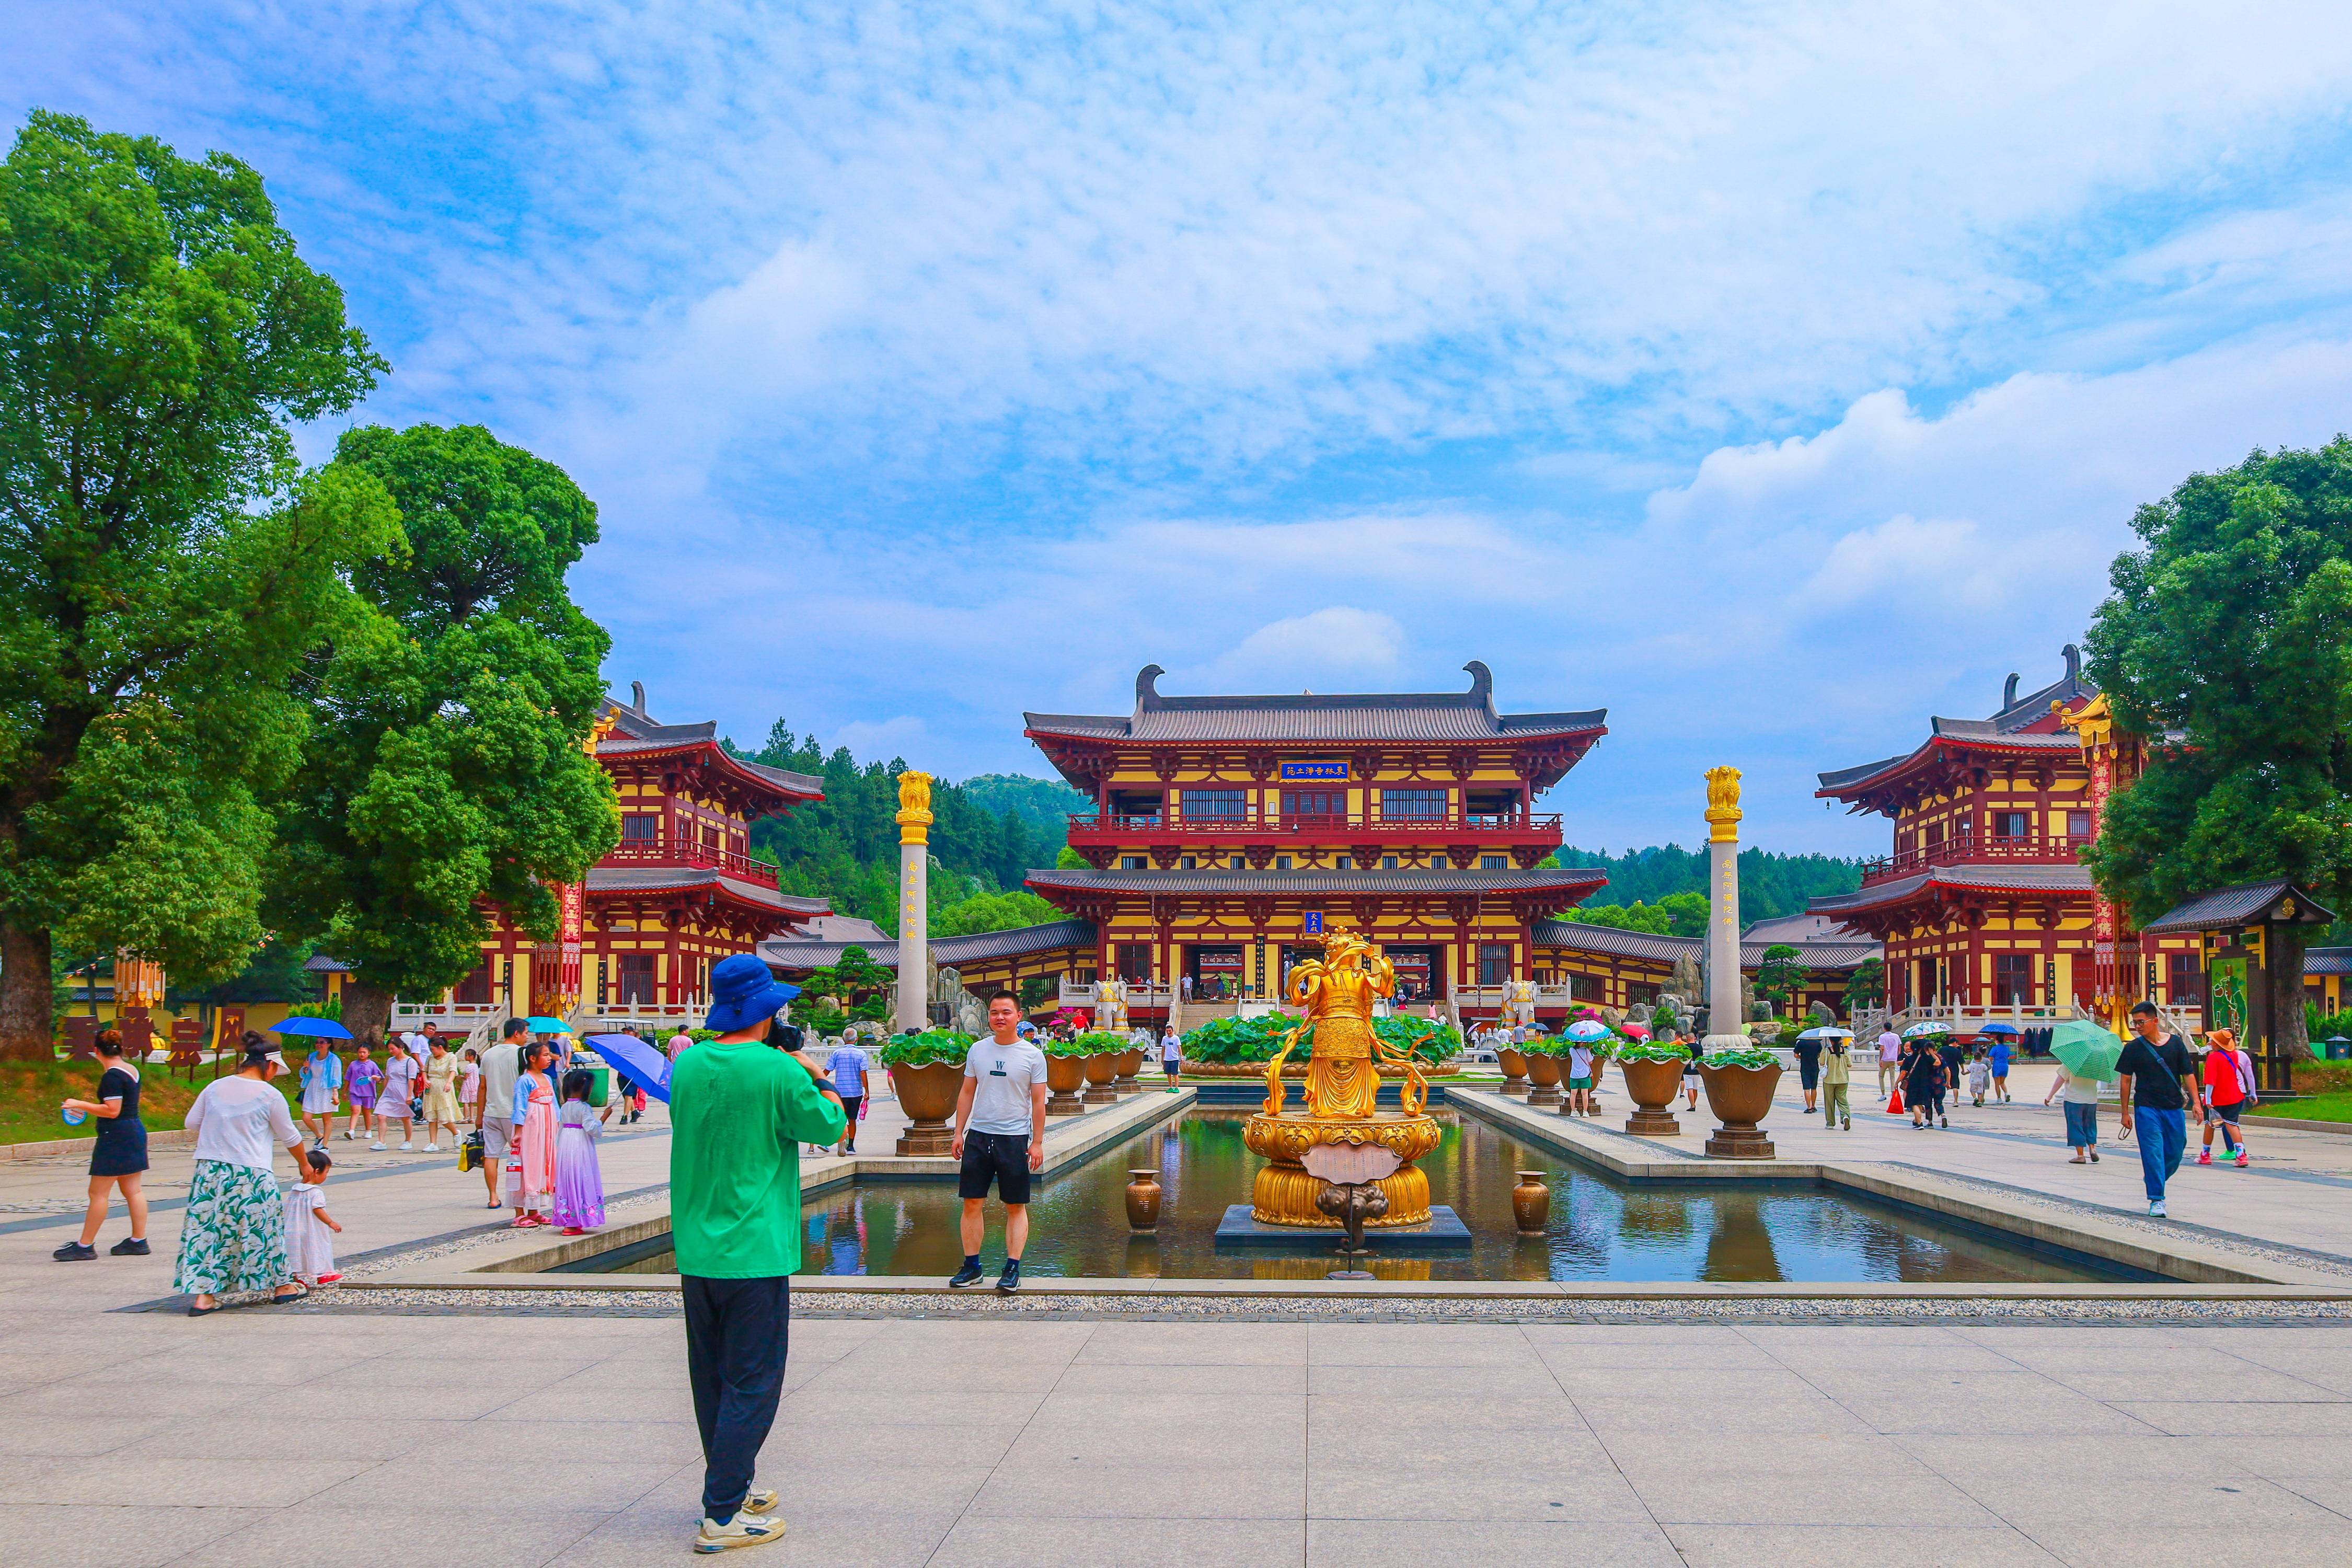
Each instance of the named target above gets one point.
<point>233,1235</point>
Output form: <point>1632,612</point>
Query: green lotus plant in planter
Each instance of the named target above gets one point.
<point>927,1071</point>
<point>925,1048</point>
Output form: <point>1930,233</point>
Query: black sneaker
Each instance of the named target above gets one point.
<point>74,1252</point>
<point>967,1275</point>
<point>1010,1281</point>
<point>130,1247</point>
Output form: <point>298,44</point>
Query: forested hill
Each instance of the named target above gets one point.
<point>1769,884</point>
<point>988,831</point>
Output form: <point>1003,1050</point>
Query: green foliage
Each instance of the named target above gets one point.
<point>1779,975</point>
<point>446,765</point>
<point>1069,859</point>
<point>2319,1025</point>
<point>1101,1042</point>
<point>1749,1057</point>
<point>275,974</point>
<point>2228,641</point>
<point>1866,986</point>
<point>1233,1041</point>
<point>164,565</point>
<point>864,989</point>
<point>986,835</point>
<point>1649,1051</point>
<point>332,1007</point>
<point>993,911</point>
<point>1675,914</point>
<point>925,1049</point>
<point>1769,884</point>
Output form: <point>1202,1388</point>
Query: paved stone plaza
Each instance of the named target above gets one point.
<point>317,1436</point>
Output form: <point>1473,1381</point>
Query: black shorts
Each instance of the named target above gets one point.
<point>2229,1112</point>
<point>999,1157</point>
<point>849,1104</point>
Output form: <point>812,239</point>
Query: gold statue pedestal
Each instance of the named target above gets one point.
<point>1285,1193</point>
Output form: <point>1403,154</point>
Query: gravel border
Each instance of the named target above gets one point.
<point>1230,1309</point>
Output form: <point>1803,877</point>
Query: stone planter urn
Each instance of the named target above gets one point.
<point>1739,1096</point>
<point>1531,1203</point>
<point>1143,1202</point>
<point>928,1096</point>
<point>1514,1070</point>
<point>1654,1086</point>
<point>1544,1073</point>
<point>1102,1072</point>
<point>1131,1062</point>
<point>1065,1076</point>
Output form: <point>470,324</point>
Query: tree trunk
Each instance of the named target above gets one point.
<point>28,1027</point>
<point>2290,1030</point>
<point>367,1011</point>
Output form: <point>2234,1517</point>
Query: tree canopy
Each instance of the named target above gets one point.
<point>164,564</point>
<point>1769,883</point>
<point>446,764</point>
<point>2227,643</point>
<point>1676,914</point>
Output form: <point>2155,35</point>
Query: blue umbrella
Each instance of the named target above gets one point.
<point>639,1060</point>
<point>1997,1029</point>
<point>543,1026</point>
<point>1584,1031</point>
<point>325,1028</point>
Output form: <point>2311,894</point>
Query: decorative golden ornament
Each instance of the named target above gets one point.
<point>1723,806</point>
<point>914,818</point>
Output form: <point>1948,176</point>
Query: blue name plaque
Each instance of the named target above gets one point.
<point>1314,770</point>
<point>1314,919</point>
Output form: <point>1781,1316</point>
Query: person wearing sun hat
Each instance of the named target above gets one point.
<point>740,1109</point>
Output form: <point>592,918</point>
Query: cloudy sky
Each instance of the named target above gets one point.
<point>1773,377</point>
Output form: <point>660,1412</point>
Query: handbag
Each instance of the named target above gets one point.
<point>469,1152</point>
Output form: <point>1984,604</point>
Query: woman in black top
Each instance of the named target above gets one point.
<point>1923,1083</point>
<point>118,1157</point>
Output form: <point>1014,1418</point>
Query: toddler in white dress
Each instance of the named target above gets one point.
<point>310,1248</point>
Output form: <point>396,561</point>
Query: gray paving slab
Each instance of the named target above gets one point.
<point>1990,1545</point>
<point>114,1535</point>
<point>986,1542</point>
<point>1419,1543</point>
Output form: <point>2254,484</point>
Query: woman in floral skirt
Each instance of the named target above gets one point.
<point>232,1236</point>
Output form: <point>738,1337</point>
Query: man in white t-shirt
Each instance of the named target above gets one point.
<point>494,1116</point>
<point>1000,1137</point>
<point>1890,1053</point>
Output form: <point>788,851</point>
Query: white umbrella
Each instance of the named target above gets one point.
<point>1925,1027</point>
<point>1827,1032</point>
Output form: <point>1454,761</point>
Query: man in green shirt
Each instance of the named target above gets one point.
<point>740,1109</point>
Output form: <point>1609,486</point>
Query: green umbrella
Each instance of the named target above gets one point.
<point>2085,1048</point>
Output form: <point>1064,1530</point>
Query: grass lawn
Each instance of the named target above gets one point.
<point>29,1093</point>
<point>2334,1106</point>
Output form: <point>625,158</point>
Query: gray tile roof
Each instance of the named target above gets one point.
<point>794,954</point>
<point>1337,884</point>
<point>2241,905</point>
<point>2327,961</point>
<point>1846,953</point>
<point>666,879</point>
<point>1611,942</point>
<point>637,732</point>
<point>1341,719</point>
<point>2000,878</point>
<point>2003,728</point>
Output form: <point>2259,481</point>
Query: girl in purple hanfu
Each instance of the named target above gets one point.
<point>579,1180</point>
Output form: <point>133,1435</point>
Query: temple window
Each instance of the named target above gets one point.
<point>641,829</point>
<point>1214,804</point>
<point>1413,804</point>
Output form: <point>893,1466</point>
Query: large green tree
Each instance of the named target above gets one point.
<point>446,766</point>
<point>2227,643</point>
<point>164,561</point>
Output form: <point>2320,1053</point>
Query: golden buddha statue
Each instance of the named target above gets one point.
<point>1337,994</point>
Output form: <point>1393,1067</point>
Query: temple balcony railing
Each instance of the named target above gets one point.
<point>1549,998</point>
<point>699,855</point>
<point>1142,995</point>
<point>1967,850</point>
<point>1333,827</point>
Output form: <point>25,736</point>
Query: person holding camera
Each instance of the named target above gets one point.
<point>741,1107</point>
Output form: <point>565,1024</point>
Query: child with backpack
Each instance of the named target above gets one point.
<point>2229,1088</point>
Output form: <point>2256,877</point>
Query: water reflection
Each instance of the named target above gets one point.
<point>1598,1229</point>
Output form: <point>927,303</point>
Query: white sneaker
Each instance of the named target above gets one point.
<point>347,1134</point>
<point>2156,1209</point>
<point>433,1148</point>
<point>406,1146</point>
<point>746,1528</point>
<point>375,1145</point>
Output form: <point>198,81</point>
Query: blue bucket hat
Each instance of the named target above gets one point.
<point>742,993</point>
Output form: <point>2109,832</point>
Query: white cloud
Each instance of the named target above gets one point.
<point>879,740</point>
<point>1337,640</point>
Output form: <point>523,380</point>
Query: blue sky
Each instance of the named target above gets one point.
<point>1771,376</point>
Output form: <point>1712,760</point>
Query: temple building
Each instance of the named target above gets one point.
<point>1984,903</point>
<point>680,892</point>
<point>1227,832</point>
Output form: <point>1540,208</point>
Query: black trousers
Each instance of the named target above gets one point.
<point>735,1335</point>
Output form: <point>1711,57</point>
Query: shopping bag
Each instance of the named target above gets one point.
<point>1895,1101</point>
<point>469,1152</point>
